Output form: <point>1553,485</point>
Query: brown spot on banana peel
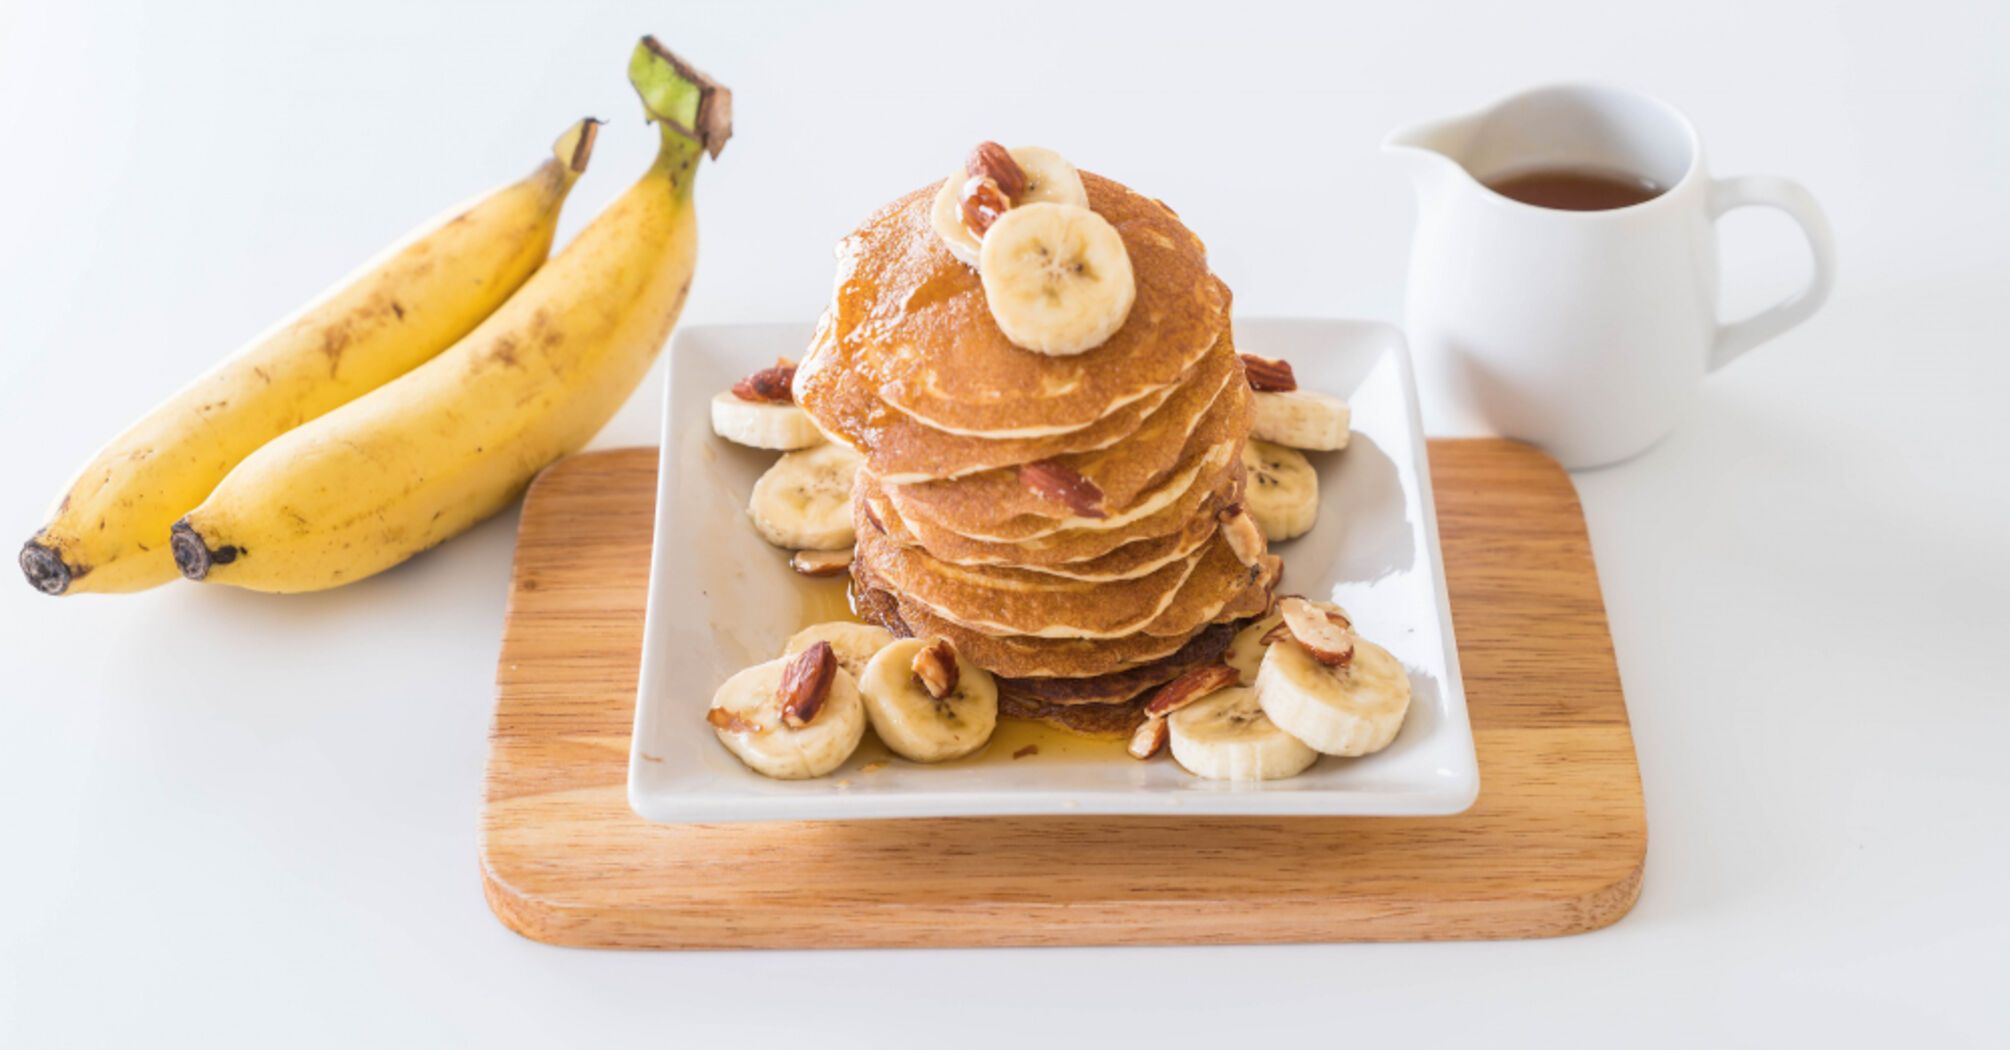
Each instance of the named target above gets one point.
<point>504,351</point>
<point>193,556</point>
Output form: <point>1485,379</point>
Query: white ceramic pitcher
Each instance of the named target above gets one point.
<point>1585,332</point>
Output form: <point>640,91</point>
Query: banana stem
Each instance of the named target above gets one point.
<point>693,110</point>
<point>574,148</point>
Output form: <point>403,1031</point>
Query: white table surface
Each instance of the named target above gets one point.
<point>233,819</point>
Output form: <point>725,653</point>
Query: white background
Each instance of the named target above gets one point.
<point>234,819</point>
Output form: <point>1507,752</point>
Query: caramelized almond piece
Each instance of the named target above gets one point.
<point>983,202</point>
<point>1189,687</point>
<point>772,384</point>
<point>1148,738</point>
<point>821,563</point>
<point>1327,636</point>
<point>935,668</point>
<point>730,722</point>
<point>1065,485</point>
<point>995,162</point>
<point>1244,536</point>
<point>806,682</point>
<point>1268,374</point>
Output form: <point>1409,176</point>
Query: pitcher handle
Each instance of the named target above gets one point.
<point>1788,196</point>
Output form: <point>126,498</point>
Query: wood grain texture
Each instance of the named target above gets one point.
<point>1554,845</point>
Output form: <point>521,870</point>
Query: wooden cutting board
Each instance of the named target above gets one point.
<point>1553,846</point>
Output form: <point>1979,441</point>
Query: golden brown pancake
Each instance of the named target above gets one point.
<point>1023,657</point>
<point>1097,720</point>
<point>1176,600</point>
<point>904,450</point>
<point>1213,405</point>
<point>1219,484</point>
<point>913,323</point>
<point>1120,686</point>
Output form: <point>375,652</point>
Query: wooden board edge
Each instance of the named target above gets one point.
<point>1019,926</point>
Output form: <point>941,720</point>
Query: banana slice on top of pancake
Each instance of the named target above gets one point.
<point>803,502</point>
<point>1336,691</point>
<point>926,702</point>
<point>1057,278</point>
<point>1282,490</point>
<point>1026,175</point>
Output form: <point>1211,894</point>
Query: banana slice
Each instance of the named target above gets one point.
<point>1049,179</point>
<point>1245,652</point>
<point>747,716</point>
<point>762,424</point>
<point>1352,709</point>
<point>1302,419</point>
<point>854,643</point>
<point>1282,492</point>
<point>1057,277</point>
<point>926,702</point>
<point>803,502</point>
<point>1228,737</point>
<point>946,216</point>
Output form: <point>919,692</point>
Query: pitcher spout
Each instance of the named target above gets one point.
<point>1432,150</point>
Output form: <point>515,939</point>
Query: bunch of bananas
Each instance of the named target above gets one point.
<point>414,399</point>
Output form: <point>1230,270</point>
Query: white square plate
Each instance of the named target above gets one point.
<point>721,599</point>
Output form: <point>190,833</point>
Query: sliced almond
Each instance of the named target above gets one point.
<point>806,681</point>
<point>821,563</point>
<point>771,385</point>
<point>1329,637</point>
<point>1052,480</point>
<point>935,668</point>
<point>1268,374</point>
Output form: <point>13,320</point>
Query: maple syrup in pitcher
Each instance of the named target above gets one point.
<point>1576,189</point>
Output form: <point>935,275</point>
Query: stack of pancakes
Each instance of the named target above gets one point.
<point>1079,610</point>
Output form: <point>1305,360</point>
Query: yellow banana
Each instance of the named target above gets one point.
<point>109,531</point>
<point>431,453</point>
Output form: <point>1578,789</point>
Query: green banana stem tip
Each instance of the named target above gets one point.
<point>681,98</point>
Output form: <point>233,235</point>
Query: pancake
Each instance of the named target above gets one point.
<point>1176,600</point>
<point>1127,562</point>
<point>1212,404</point>
<point>1061,547</point>
<point>912,322</point>
<point>903,450</point>
<point>1120,686</point>
<point>1012,657</point>
<point>1023,657</point>
<point>1098,720</point>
